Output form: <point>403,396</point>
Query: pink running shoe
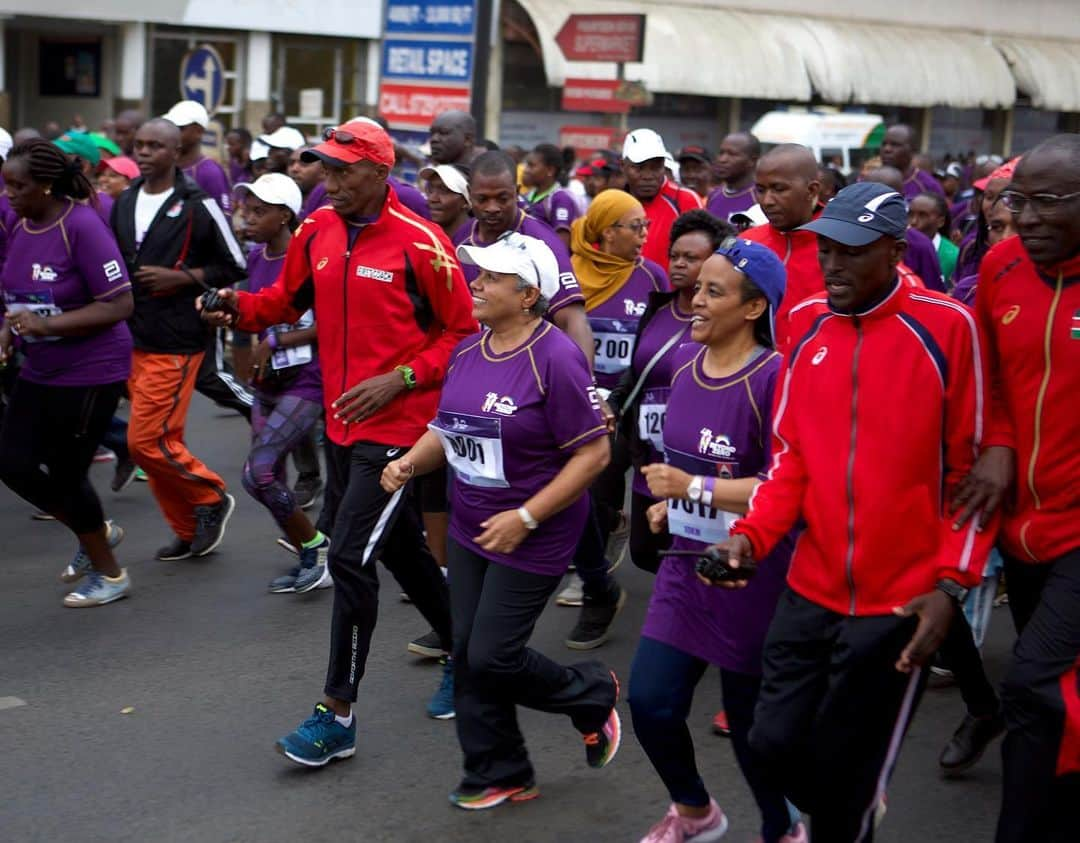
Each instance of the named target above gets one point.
<point>797,835</point>
<point>674,828</point>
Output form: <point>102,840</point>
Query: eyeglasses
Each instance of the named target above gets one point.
<point>638,227</point>
<point>332,134</point>
<point>1041,203</point>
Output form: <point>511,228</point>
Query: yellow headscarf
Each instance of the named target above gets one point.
<point>600,274</point>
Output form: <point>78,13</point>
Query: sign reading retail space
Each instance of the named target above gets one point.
<point>597,95</point>
<point>608,38</point>
<point>427,60</point>
<point>587,139</point>
<point>202,78</point>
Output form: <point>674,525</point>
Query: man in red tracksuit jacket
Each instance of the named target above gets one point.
<point>1028,305</point>
<point>787,187</point>
<point>878,418</point>
<point>390,305</point>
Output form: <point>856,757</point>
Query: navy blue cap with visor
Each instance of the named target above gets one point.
<point>764,269</point>
<point>862,213</point>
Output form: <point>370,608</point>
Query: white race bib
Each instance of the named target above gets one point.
<point>286,358</point>
<point>699,522</point>
<point>473,446</point>
<point>613,341</point>
<point>39,303</point>
<point>652,411</point>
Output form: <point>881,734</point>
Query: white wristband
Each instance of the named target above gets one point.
<point>527,519</point>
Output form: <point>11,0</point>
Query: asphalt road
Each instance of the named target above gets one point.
<point>213,669</point>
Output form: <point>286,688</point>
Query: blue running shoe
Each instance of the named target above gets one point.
<point>98,589</point>
<point>319,739</point>
<point>441,706</point>
<point>81,563</point>
<point>286,583</point>
<point>314,572</point>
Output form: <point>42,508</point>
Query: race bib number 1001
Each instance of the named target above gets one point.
<point>473,446</point>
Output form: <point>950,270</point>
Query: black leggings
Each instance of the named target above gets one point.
<point>47,443</point>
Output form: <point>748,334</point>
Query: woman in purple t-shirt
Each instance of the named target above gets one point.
<point>288,384</point>
<point>519,422</point>
<point>66,299</point>
<point>640,399</point>
<point>547,200</point>
<point>717,438</point>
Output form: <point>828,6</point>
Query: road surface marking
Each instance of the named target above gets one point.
<point>10,702</point>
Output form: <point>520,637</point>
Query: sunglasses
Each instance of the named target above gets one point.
<point>340,136</point>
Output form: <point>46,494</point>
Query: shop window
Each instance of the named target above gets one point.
<point>69,67</point>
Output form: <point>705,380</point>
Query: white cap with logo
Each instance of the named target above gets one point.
<point>643,145</point>
<point>451,176</point>
<point>186,112</point>
<point>275,189</point>
<point>528,258</point>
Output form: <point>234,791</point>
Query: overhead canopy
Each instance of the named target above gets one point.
<point>1046,71</point>
<point>720,52</point>
<point>688,50</point>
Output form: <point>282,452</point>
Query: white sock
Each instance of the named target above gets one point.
<point>344,721</point>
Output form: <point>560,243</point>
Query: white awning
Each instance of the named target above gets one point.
<point>1046,71</point>
<point>897,65</point>
<point>719,52</point>
<point>688,50</point>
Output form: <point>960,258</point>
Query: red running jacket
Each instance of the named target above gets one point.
<point>1031,321</point>
<point>394,297</point>
<point>878,417</point>
<point>662,210</point>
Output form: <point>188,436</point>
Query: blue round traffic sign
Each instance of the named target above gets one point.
<point>202,78</point>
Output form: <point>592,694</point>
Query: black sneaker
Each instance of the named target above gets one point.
<point>177,550</point>
<point>307,489</point>
<point>594,623</point>
<point>429,646</point>
<point>969,742</point>
<point>123,475</point>
<point>210,522</point>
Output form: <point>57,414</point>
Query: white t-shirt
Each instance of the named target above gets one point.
<point>147,206</point>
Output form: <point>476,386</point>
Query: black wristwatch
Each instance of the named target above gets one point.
<point>956,591</point>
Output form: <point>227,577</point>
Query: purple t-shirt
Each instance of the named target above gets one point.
<point>964,291</point>
<point>509,423</point>
<point>104,207</point>
<point>652,404</point>
<point>922,258</point>
<point>558,209</point>
<point>315,199</point>
<point>209,175</point>
<point>410,197</point>
<point>240,173</point>
<point>921,181</point>
<point>615,322</point>
<point>967,262</point>
<point>722,204</point>
<point>569,292</point>
<point>63,266</point>
<point>719,428</point>
<point>305,380</point>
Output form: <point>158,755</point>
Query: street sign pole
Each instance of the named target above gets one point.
<point>481,64</point>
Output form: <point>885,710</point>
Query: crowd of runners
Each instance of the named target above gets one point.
<point>829,412</point>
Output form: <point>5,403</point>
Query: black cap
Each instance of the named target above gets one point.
<point>861,213</point>
<point>694,153</point>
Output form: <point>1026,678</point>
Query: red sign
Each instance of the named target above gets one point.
<point>415,106</point>
<point>593,95</point>
<point>618,38</point>
<point>587,139</point>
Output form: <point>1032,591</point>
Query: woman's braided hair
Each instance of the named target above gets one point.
<point>48,164</point>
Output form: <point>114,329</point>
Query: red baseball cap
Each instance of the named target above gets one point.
<point>1005,171</point>
<point>122,165</point>
<point>360,139</point>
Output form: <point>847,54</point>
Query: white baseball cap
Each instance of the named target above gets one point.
<point>643,145</point>
<point>275,189</point>
<point>284,138</point>
<point>6,143</point>
<point>528,258</point>
<point>452,177</point>
<point>259,150</point>
<point>186,112</point>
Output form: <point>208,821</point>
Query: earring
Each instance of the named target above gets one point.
<point>48,191</point>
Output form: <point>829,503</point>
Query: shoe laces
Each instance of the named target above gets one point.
<point>205,516</point>
<point>663,829</point>
<point>93,580</point>
<point>314,725</point>
<point>80,560</point>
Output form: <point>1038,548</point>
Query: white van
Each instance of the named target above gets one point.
<point>850,137</point>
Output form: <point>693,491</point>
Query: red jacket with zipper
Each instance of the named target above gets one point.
<point>394,297</point>
<point>799,252</point>
<point>878,416</point>
<point>1031,321</point>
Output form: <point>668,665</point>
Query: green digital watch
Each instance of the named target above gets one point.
<point>407,375</point>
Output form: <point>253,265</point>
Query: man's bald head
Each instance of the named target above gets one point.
<point>453,138</point>
<point>889,176</point>
<point>787,186</point>
<point>1049,229</point>
<point>126,124</point>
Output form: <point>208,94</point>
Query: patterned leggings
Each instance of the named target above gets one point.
<point>278,425</point>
